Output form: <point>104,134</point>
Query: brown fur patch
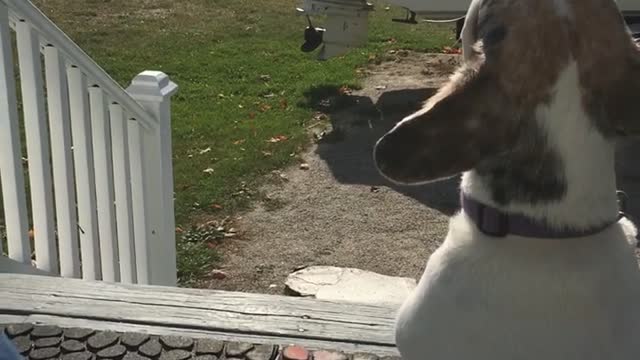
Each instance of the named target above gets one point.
<point>479,113</point>
<point>609,65</point>
<point>515,51</point>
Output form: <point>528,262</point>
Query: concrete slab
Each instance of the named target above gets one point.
<point>350,285</point>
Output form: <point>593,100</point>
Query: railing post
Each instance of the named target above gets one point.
<point>153,90</point>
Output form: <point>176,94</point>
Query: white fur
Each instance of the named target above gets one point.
<point>518,298</point>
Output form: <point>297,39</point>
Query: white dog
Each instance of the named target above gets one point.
<point>538,265</point>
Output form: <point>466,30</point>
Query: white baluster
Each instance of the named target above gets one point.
<point>85,178</point>
<point>37,147</point>
<point>62,161</point>
<point>122,182</point>
<point>104,185</point>
<point>140,208</point>
<point>13,189</point>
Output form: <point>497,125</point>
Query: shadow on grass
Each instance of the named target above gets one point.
<point>357,124</point>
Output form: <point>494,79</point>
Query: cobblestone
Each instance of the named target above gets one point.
<point>52,342</point>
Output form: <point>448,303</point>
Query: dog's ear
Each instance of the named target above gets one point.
<point>461,125</point>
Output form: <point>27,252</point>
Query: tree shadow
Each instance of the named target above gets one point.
<point>357,125</point>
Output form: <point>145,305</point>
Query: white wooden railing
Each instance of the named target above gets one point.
<point>99,159</point>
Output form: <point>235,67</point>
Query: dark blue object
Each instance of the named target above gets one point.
<point>8,350</point>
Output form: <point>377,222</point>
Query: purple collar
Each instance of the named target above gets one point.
<point>494,222</point>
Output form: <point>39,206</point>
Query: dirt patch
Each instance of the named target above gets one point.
<point>341,212</point>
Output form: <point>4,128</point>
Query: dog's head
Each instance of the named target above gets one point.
<point>514,52</point>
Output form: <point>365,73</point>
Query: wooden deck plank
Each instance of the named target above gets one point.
<point>266,318</point>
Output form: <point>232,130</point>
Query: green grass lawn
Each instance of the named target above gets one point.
<point>242,82</point>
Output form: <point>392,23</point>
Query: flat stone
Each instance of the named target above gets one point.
<point>47,342</point>
<point>237,349</point>
<point>295,353</point>
<point>350,285</point>
<point>70,346</point>
<point>23,344</point>
<point>85,355</point>
<point>209,347</point>
<point>329,355</point>
<point>175,355</point>
<point>113,352</point>
<point>176,342</point>
<point>15,330</point>
<point>151,348</point>
<point>102,340</point>
<point>206,357</point>
<point>133,340</point>
<point>78,334</point>
<point>46,331</point>
<point>44,354</point>
<point>134,356</point>
<point>262,352</point>
<point>361,356</point>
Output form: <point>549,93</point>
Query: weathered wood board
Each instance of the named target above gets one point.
<point>226,315</point>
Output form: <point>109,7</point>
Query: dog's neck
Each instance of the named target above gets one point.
<point>564,177</point>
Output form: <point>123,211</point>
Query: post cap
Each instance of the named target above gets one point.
<point>152,86</point>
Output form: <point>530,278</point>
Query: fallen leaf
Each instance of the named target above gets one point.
<point>179,230</point>
<point>265,107</point>
<point>344,90</point>
<point>450,50</point>
<point>277,139</point>
<point>252,115</point>
<point>284,104</point>
<point>202,152</point>
<point>208,171</point>
<point>218,274</point>
<point>267,153</point>
<point>216,206</point>
<point>238,142</point>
